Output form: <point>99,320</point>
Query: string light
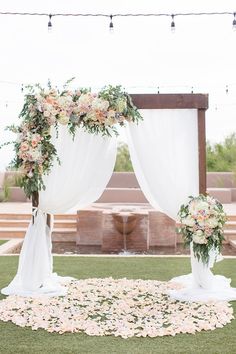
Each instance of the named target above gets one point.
<point>172,25</point>
<point>111,26</point>
<point>234,22</point>
<point>173,16</point>
<point>50,23</point>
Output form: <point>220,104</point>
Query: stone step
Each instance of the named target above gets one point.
<point>231,217</point>
<point>230,235</point>
<point>24,223</point>
<point>19,232</point>
<point>224,195</point>
<point>15,216</point>
<point>19,216</point>
<point>230,225</point>
<point>64,236</point>
<point>14,223</point>
<point>232,243</point>
<point>12,232</point>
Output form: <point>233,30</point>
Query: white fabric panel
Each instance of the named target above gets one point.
<point>87,163</point>
<point>202,284</point>
<point>86,166</point>
<point>34,275</point>
<point>164,154</point>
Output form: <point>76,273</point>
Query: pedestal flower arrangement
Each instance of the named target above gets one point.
<point>202,220</point>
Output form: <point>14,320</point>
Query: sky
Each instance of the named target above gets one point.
<point>141,54</point>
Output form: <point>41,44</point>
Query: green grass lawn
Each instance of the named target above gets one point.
<point>2,242</point>
<point>23,340</point>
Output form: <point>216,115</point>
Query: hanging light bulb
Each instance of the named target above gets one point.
<point>172,25</point>
<point>234,22</point>
<point>111,26</point>
<point>50,23</point>
<point>227,89</point>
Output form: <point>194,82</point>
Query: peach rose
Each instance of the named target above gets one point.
<point>24,146</point>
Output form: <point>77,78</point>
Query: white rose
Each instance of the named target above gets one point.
<point>196,206</point>
<point>35,154</point>
<point>63,119</point>
<point>92,116</point>
<point>199,237</point>
<point>201,223</point>
<point>46,114</point>
<point>64,100</point>
<point>100,104</point>
<point>212,222</point>
<point>85,99</point>
<point>188,221</point>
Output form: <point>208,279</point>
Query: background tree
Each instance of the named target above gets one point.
<point>123,161</point>
<point>221,157</point>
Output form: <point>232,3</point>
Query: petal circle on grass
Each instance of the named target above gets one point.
<point>119,307</point>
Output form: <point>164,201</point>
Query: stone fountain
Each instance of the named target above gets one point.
<point>125,222</point>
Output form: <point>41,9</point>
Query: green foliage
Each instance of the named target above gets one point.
<point>221,157</point>
<point>123,161</point>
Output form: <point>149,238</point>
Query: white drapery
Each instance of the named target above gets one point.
<point>87,163</point>
<point>164,154</point>
<point>202,285</point>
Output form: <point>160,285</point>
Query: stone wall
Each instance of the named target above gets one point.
<point>123,187</point>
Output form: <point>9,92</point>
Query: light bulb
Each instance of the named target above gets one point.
<point>111,26</point>
<point>50,23</point>
<point>172,25</point>
<point>234,22</point>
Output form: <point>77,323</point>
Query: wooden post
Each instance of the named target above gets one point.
<point>35,203</point>
<point>202,151</point>
<point>182,101</point>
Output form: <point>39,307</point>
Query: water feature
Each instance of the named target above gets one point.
<point>125,223</point>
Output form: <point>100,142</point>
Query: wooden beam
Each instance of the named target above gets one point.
<point>170,101</point>
<point>202,151</point>
<point>35,203</point>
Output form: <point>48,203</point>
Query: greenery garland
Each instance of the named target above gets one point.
<point>96,113</point>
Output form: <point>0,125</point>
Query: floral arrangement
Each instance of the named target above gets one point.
<point>97,113</point>
<point>116,307</point>
<point>202,221</point>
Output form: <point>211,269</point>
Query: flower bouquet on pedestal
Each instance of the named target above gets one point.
<point>202,220</point>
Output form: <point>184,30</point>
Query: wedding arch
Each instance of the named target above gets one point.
<point>67,149</point>
<point>153,102</point>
